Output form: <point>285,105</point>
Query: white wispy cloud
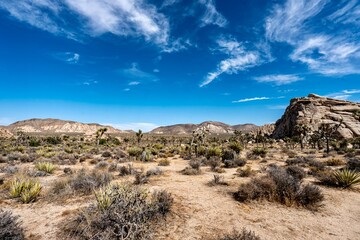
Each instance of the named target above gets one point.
<point>134,18</point>
<point>145,127</point>
<point>211,15</point>
<point>348,12</point>
<point>134,83</point>
<point>344,94</point>
<point>323,51</point>
<point>251,99</point>
<point>278,79</point>
<point>68,57</point>
<point>239,59</point>
<point>136,75</point>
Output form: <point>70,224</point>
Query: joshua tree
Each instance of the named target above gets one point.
<point>301,130</point>
<point>327,132</point>
<point>99,133</point>
<point>139,136</point>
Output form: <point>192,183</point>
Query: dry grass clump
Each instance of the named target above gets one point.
<point>47,167</point>
<point>217,180</point>
<point>27,190</point>
<point>193,169</point>
<point>121,212</point>
<point>334,162</point>
<point>353,164</point>
<point>164,162</point>
<point>246,172</point>
<point>280,186</point>
<point>296,171</point>
<point>83,182</point>
<point>141,178</point>
<point>237,162</point>
<point>10,227</point>
<point>127,170</point>
<point>242,235</point>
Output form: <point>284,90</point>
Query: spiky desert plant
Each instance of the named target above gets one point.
<point>28,190</point>
<point>45,167</point>
<point>104,197</point>
<point>346,178</point>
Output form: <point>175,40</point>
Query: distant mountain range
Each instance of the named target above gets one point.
<point>213,127</point>
<point>56,126</point>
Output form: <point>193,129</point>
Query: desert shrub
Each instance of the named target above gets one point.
<point>84,181</point>
<point>164,162</point>
<point>217,180</point>
<point>53,140</point>
<point>346,178</point>
<point>238,162</point>
<point>141,178</point>
<point>213,152</point>
<point>127,170</point>
<point>13,156</point>
<point>236,235</point>
<point>10,227</point>
<point>135,152</point>
<point>308,195</point>
<point>246,172</point>
<point>353,164</point>
<point>259,152</point>
<point>195,163</point>
<point>106,154</point>
<point>193,169</point>
<point>281,187</point>
<point>236,147</point>
<point>228,155</point>
<point>214,163</point>
<point>122,212</point>
<point>68,171</point>
<point>102,165</point>
<point>45,167</point>
<point>334,162</point>
<point>113,167</point>
<point>297,172</point>
<point>27,190</point>
<point>154,172</point>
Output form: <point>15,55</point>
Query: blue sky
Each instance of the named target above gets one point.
<point>145,63</point>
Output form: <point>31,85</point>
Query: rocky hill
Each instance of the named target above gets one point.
<point>5,133</point>
<point>51,126</point>
<point>315,110</point>
<point>213,127</point>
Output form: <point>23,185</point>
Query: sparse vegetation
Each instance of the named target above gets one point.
<point>279,186</point>
<point>122,212</point>
<point>239,235</point>
<point>10,226</point>
<point>45,167</point>
<point>27,190</point>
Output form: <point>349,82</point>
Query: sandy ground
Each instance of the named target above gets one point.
<point>203,212</point>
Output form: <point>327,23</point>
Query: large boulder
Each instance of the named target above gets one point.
<point>315,110</point>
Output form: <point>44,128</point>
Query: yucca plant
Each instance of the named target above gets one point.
<point>346,178</point>
<point>45,167</point>
<point>28,190</point>
<point>31,194</point>
<point>104,197</point>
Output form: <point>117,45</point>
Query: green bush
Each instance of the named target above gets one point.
<point>236,147</point>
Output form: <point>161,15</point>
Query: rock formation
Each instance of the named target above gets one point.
<point>51,126</point>
<point>315,110</point>
<point>212,127</point>
<point>4,133</point>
